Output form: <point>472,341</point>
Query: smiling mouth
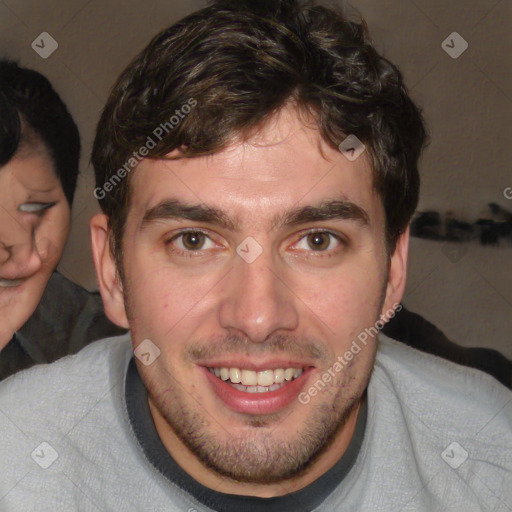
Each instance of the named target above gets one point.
<point>10,283</point>
<point>257,382</point>
<point>257,392</point>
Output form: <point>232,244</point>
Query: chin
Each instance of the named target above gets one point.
<point>17,304</point>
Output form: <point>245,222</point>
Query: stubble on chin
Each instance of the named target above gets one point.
<point>258,456</point>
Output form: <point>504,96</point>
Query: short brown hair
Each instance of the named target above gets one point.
<point>240,61</point>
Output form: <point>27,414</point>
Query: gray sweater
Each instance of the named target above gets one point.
<point>438,436</point>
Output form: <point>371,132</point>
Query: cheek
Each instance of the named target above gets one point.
<point>347,293</point>
<point>52,235</point>
<point>346,302</point>
<point>163,304</point>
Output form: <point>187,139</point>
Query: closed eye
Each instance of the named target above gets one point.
<point>36,208</point>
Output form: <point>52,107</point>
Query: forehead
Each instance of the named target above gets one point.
<point>30,172</point>
<point>284,165</point>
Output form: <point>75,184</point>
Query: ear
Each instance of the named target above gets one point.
<point>397,274</point>
<point>109,282</point>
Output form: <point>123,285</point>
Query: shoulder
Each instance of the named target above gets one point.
<point>400,362</point>
<point>441,402</point>
<point>45,388</point>
<point>422,378</point>
<point>438,436</point>
<point>64,426</point>
<point>63,301</point>
<point>67,318</point>
<point>61,290</point>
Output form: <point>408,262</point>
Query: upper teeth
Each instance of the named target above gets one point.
<point>252,378</point>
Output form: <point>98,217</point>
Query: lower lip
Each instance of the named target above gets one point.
<point>257,403</point>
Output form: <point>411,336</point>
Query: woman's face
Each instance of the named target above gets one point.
<point>34,226</point>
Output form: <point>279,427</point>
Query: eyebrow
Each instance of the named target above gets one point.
<point>174,209</point>
<point>40,190</point>
<point>335,209</point>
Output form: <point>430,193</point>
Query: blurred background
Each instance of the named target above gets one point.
<point>466,94</point>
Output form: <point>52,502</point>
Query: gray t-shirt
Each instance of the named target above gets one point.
<point>438,436</point>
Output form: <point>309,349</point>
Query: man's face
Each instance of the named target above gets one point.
<point>34,225</point>
<point>279,266</point>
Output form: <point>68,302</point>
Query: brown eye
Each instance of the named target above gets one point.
<point>193,241</point>
<point>319,241</point>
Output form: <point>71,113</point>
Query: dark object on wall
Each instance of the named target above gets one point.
<point>427,225</point>
<point>457,230</point>
<point>496,225</point>
<point>499,213</point>
<point>417,332</point>
<point>489,229</point>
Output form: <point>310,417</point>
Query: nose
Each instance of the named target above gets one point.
<point>20,256</point>
<point>256,302</point>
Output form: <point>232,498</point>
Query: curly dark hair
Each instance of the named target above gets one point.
<point>31,110</point>
<point>243,60</point>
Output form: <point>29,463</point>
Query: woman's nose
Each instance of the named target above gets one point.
<point>19,256</point>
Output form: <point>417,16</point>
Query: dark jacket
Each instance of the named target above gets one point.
<point>413,330</point>
<point>67,318</point>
